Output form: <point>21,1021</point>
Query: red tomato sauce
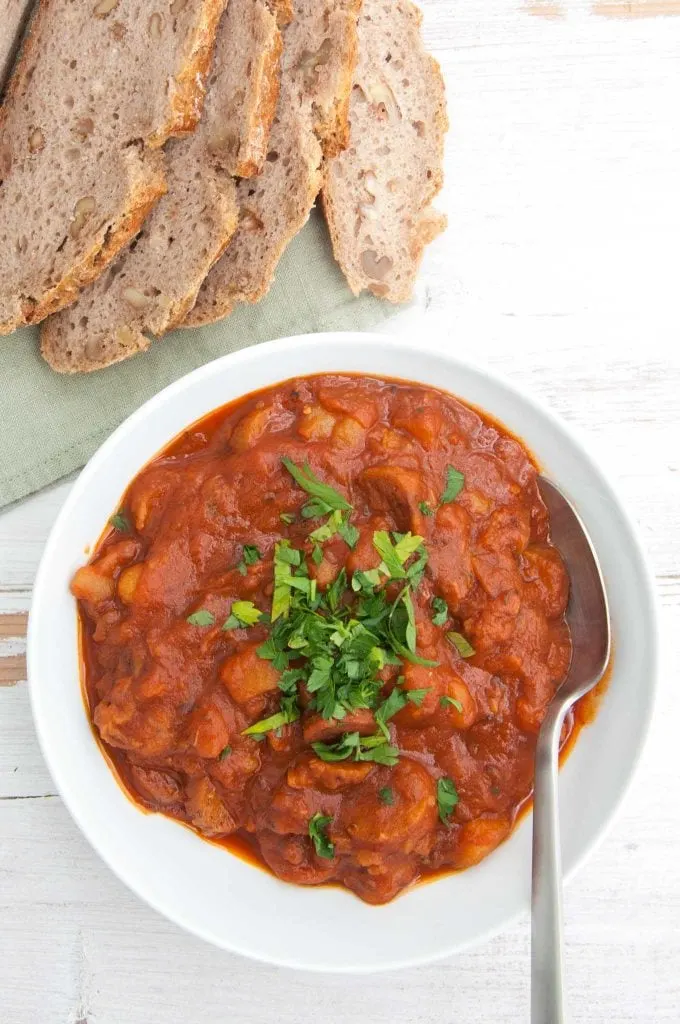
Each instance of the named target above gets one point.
<point>172,694</point>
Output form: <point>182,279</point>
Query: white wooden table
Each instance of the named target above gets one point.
<point>560,269</point>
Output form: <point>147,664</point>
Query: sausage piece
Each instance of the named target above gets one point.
<point>365,820</point>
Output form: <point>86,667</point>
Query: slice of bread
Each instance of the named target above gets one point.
<point>151,286</point>
<point>13,17</point>
<point>318,65</point>
<point>98,86</point>
<point>243,87</point>
<point>153,283</point>
<point>377,194</point>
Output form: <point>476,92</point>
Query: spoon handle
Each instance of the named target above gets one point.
<point>547,994</point>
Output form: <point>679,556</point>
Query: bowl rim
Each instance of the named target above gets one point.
<point>269,351</point>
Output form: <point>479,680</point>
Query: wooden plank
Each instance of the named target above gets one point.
<point>12,648</point>
<point>636,8</point>
<point>12,670</point>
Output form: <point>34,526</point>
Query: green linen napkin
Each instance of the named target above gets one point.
<point>51,424</point>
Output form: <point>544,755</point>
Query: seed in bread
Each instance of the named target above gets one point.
<point>98,87</point>
<point>319,56</point>
<point>377,194</point>
<point>153,284</point>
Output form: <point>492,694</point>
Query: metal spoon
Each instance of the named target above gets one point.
<point>588,618</point>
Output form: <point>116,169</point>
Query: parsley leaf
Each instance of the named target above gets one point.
<point>224,753</point>
<point>425,508</point>
<point>447,798</point>
<point>322,844</point>
<point>463,646</point>
<point>349,533</point>
<point>402,630</point>
<point>386,796</point>
<point>201,618</point>
<point>243,613</point>
<point>361,748</point>
<point>326,498</point>
<point>455,481</point>
<point>418,696</point>
<point>441,611</point>
<point>394,703</point>
<point>395,556</point>
<point>284,558</point>
<point>390,566</point>
<point>365,581</point>
<point>120,522</point>
<point>287,518</point>
<point>329,528</point>
<point>317,555</point>
<point>453,702</point>
<point>273,722</point>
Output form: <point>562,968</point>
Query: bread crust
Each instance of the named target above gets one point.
<point>190,84</point>
<point>253,152</point>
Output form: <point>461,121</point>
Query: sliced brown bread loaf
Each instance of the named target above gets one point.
<point>13,17</point>
<point>377,194</point>
<point>318,63</point>
<point>153,284</point>
<point>98,86</point>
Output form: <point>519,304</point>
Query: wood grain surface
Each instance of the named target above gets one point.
<point>560,270</point>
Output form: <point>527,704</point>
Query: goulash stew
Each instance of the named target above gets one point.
<point>324,628</point>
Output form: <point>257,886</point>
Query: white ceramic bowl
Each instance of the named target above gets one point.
<point>211,892</point>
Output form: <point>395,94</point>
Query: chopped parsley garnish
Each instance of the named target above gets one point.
<point>455,481</point>
<point>425,508</point>
<point>250,555</point>
<point>325,499</point>
<point>287,518</point>
<point>349,533</point>
<point>201,618</point>
<point>243,613</point>
<point>273,722</point>
<point>366,581</point>
<point>386,796</point>
<point>441,611</point>
<point>329,528</point>
<point>317,831</point>
<point>290,574</point>
<point>317,555</point>
<point>447,798</point>
<point>336,642</point>
<point>418,696</point>
<point>463,646</point>
<point>395,555</point>
<point>224,753</point>
<point>402,630</point>
<point>397,700</point>
<point>360,748</point>
<point>120,522</point>
<point>444,701</point>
